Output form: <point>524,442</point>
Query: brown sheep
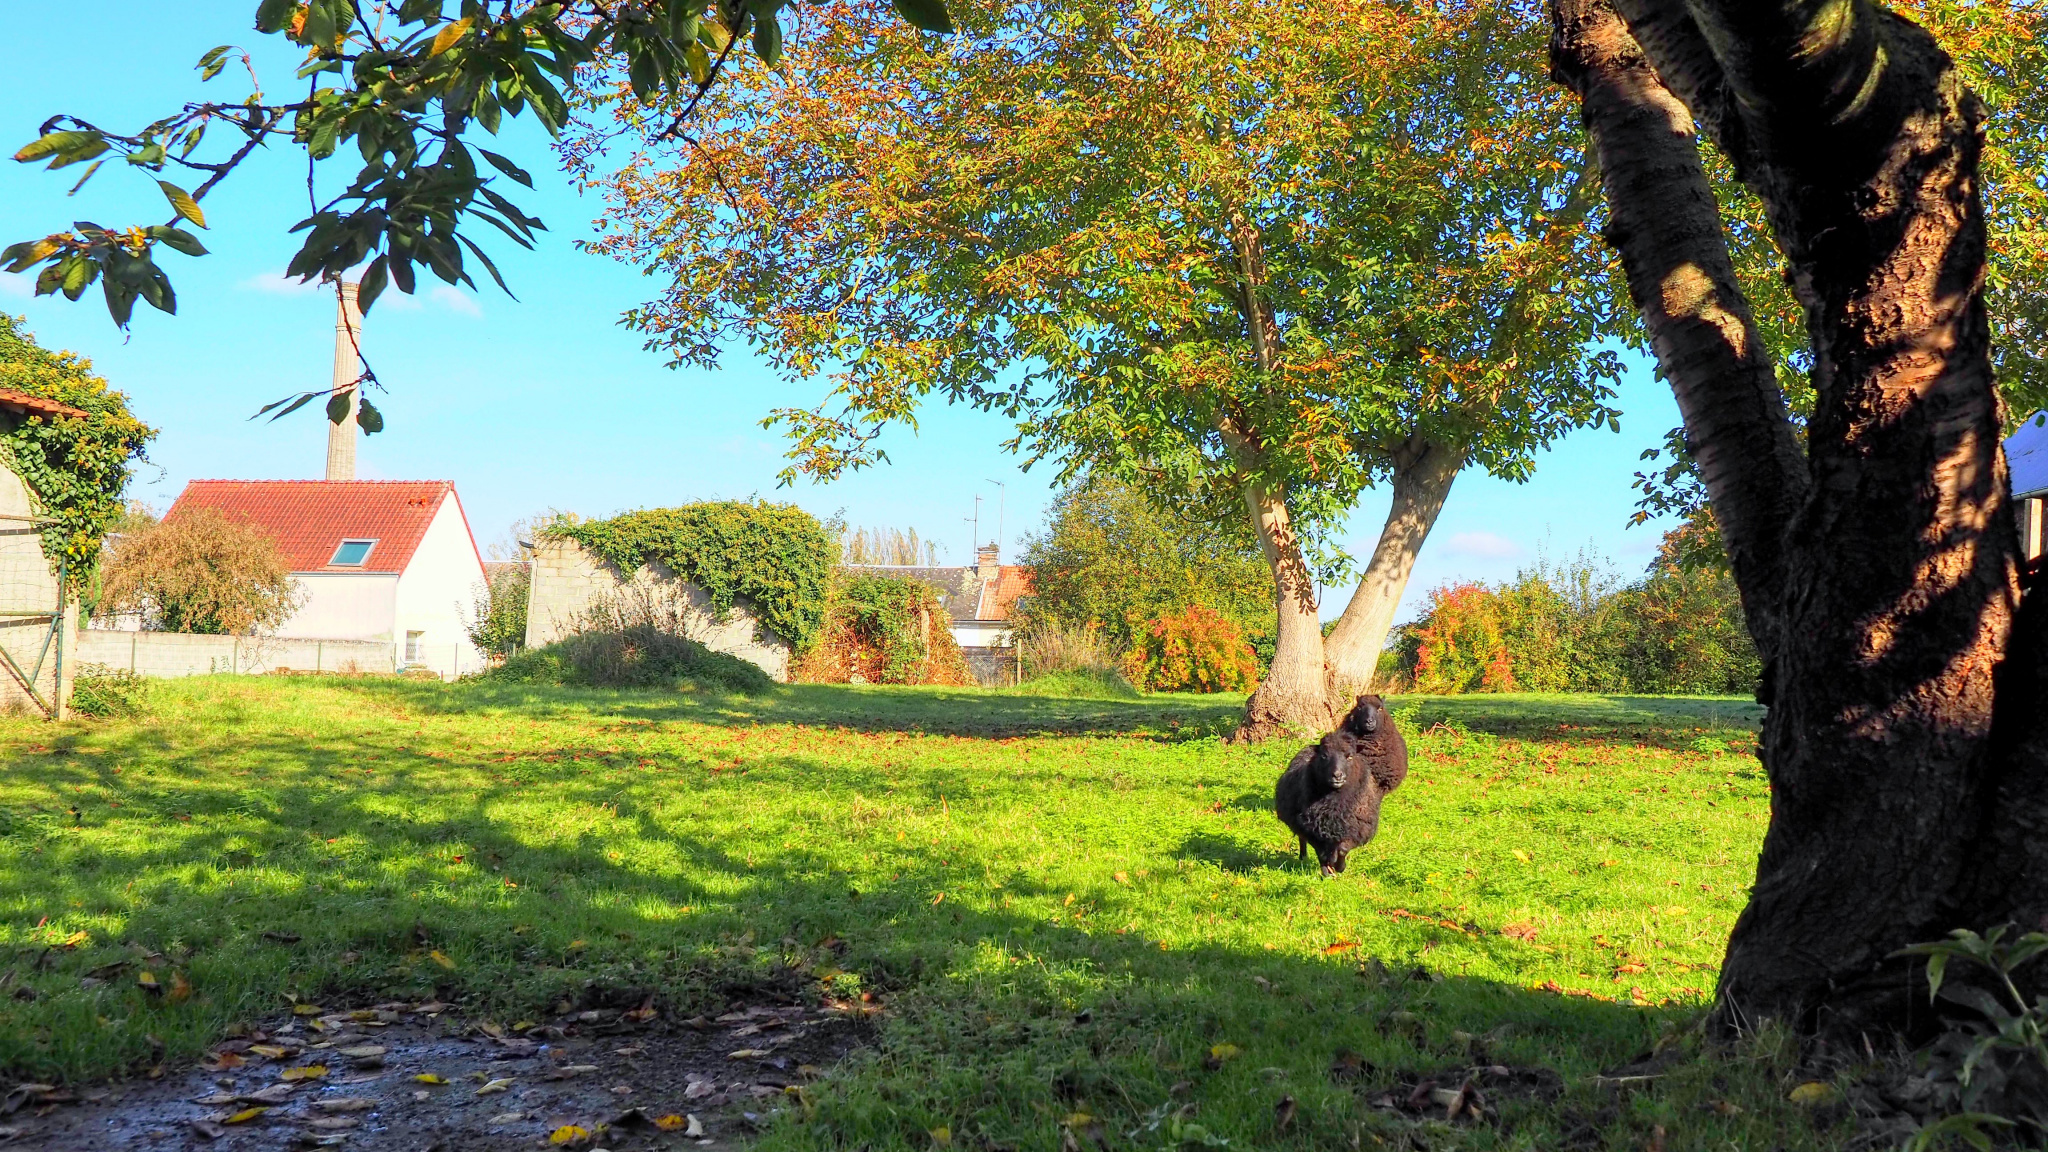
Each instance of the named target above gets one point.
<point>1330,794</point>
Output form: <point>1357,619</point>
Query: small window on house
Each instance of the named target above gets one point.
<point>413,647</point>
<point>352,553</point>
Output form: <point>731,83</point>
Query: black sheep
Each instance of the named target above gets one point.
<point>1330,794</point>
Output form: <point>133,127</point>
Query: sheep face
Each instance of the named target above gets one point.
<point>1366,717</point>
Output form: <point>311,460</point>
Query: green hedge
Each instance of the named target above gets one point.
<point>777,556</point>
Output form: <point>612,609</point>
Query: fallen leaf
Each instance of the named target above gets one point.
<point>1283,1113</point>
<point>307,1010</point>
<point>147,980</point>
<point>942,1137</point>
<point>1813,1093</point>
<point>1656,1143</point>
<point>1340,946</point>
<point>441,958</point>
<point>333,1123</point>
<point>1521,855</point>
<point>245,1115</point>
<point>1224,1051</point>
<point>671,1122</point>
<point>227,1060</point>
<point>1726,1107</point>
<point>181,988</point>
<point>695,1128</point>
<point>303,1072</point>
<point>569,1134</point>
<point>361,1051</point>
<point>275,1094</point>
<point>508,1117</point>
<point>208,1130</point>
<point>747,1054</point>
<point>430,1078</point>
<point>699,1089</point>
<point>345,1104</point>
<point>272,1051</point>
<point>217,1099</point>
<point>495,1086</point>
<point>1123,877</point>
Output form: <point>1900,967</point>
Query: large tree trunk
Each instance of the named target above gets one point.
<point>1423,471</point>
<point>1884,602</point>
<point>1294,698</point>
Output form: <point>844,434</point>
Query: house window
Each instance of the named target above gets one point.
<point>352,553</point>
<point>413,647</point>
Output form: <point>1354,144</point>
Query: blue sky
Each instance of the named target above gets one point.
<point>545,402</point>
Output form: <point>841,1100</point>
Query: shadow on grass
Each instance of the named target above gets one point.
<point>862,708</point>
<point>1001,1020</point>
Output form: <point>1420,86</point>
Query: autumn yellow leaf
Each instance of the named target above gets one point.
<point>270,1051</point>
<point>1813,1093</point>
<point>942,1137</point>
<point>307,1010</point>
<point>670,1122</point>
<point>1223,1051</point>
<point>569,1134</point>
<point>441,958</point>
<point>1340,946</point>
<point>245,1115</point>
<point>430,1078</point>
<point>303,1072</point>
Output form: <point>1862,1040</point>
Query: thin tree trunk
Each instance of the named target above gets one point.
<point>1423,472</point>
<point>1294,698</point>
<point>1887,610</point>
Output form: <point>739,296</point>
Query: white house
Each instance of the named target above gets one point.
<point>2026,455</point>
<point>982,601</point>
<point>384,560</point>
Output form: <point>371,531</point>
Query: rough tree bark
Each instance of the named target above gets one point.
<point>1879,572</point>
<point>1423,471</point>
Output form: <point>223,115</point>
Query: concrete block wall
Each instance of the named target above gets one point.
<point>569,584</point>
<point>28,595</point>
<point>172,654</point>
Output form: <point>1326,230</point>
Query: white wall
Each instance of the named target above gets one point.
<point>982,633</point>
<point>436,594</point>
<point>182,654</point>
<point>345,606</point>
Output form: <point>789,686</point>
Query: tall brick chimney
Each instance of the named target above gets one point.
<point>348,365</point>
<point>986,561</point>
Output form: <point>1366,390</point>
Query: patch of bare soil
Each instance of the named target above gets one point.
<point>410,1078</point>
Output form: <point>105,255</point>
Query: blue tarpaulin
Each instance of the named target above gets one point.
<point>2026,454</point>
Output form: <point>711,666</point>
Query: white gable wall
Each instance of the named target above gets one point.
<point>344,606</point>
<point>436,593</point>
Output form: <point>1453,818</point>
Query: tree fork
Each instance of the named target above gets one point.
<point>1423,472</point>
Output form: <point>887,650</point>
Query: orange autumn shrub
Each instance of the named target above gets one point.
<point>1459,644</point>
<point>1194,650</point>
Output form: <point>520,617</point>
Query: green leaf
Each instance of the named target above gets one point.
<point>507,167</point>
<point>372,285</point>
<point>1936,965</point>
<point>183,202</point>
<point>182,241</point>
<point>275,15</point>
<point>337,406</point>
<point>290,406</point>
<point>63,147</point>
<point>929,15</point>
<point>416,11</point>
<point>82,179</point>
<point>768,38</point>
<point>369,419</point>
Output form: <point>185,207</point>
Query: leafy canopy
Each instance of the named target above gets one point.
<point>200,571</point>
<point>407,83</point>
<point>75,467</point>
<point>1070,214</point>
<point>776,556</point>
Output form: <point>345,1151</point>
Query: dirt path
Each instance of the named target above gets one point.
<point>409,1078</point>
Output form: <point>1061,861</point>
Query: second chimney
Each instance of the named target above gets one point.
<point>348,367</point>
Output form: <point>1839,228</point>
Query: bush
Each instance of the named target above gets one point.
<point>1193,650</point>
<point>97,690</point>
<point>200,572</point>
<point>497,624</point>
<point>1111,559</point>
<point>884,630</point>
<point>1576,628</point>
<point>634,656</point>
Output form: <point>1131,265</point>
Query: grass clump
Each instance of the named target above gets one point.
<point>632,656</point>
<point>1081,684</point>
<point>98,690</point>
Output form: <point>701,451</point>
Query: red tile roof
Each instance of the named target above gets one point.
<point>999,596</point>
<point>309,518</point>
<point>36,405</point>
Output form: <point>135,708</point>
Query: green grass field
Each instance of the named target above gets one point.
<point>1065,904</point>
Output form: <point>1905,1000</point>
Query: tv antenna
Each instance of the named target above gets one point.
<point>1002,504</point>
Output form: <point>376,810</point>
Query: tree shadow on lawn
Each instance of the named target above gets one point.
<point>1671,722</point>
<point>1000,1020</point>
<point>969,712</point>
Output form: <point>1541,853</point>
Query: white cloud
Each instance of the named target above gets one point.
<point>456,300</point>
<point>1482,546</point>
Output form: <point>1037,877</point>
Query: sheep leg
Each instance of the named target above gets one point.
<point>1301,852</point>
